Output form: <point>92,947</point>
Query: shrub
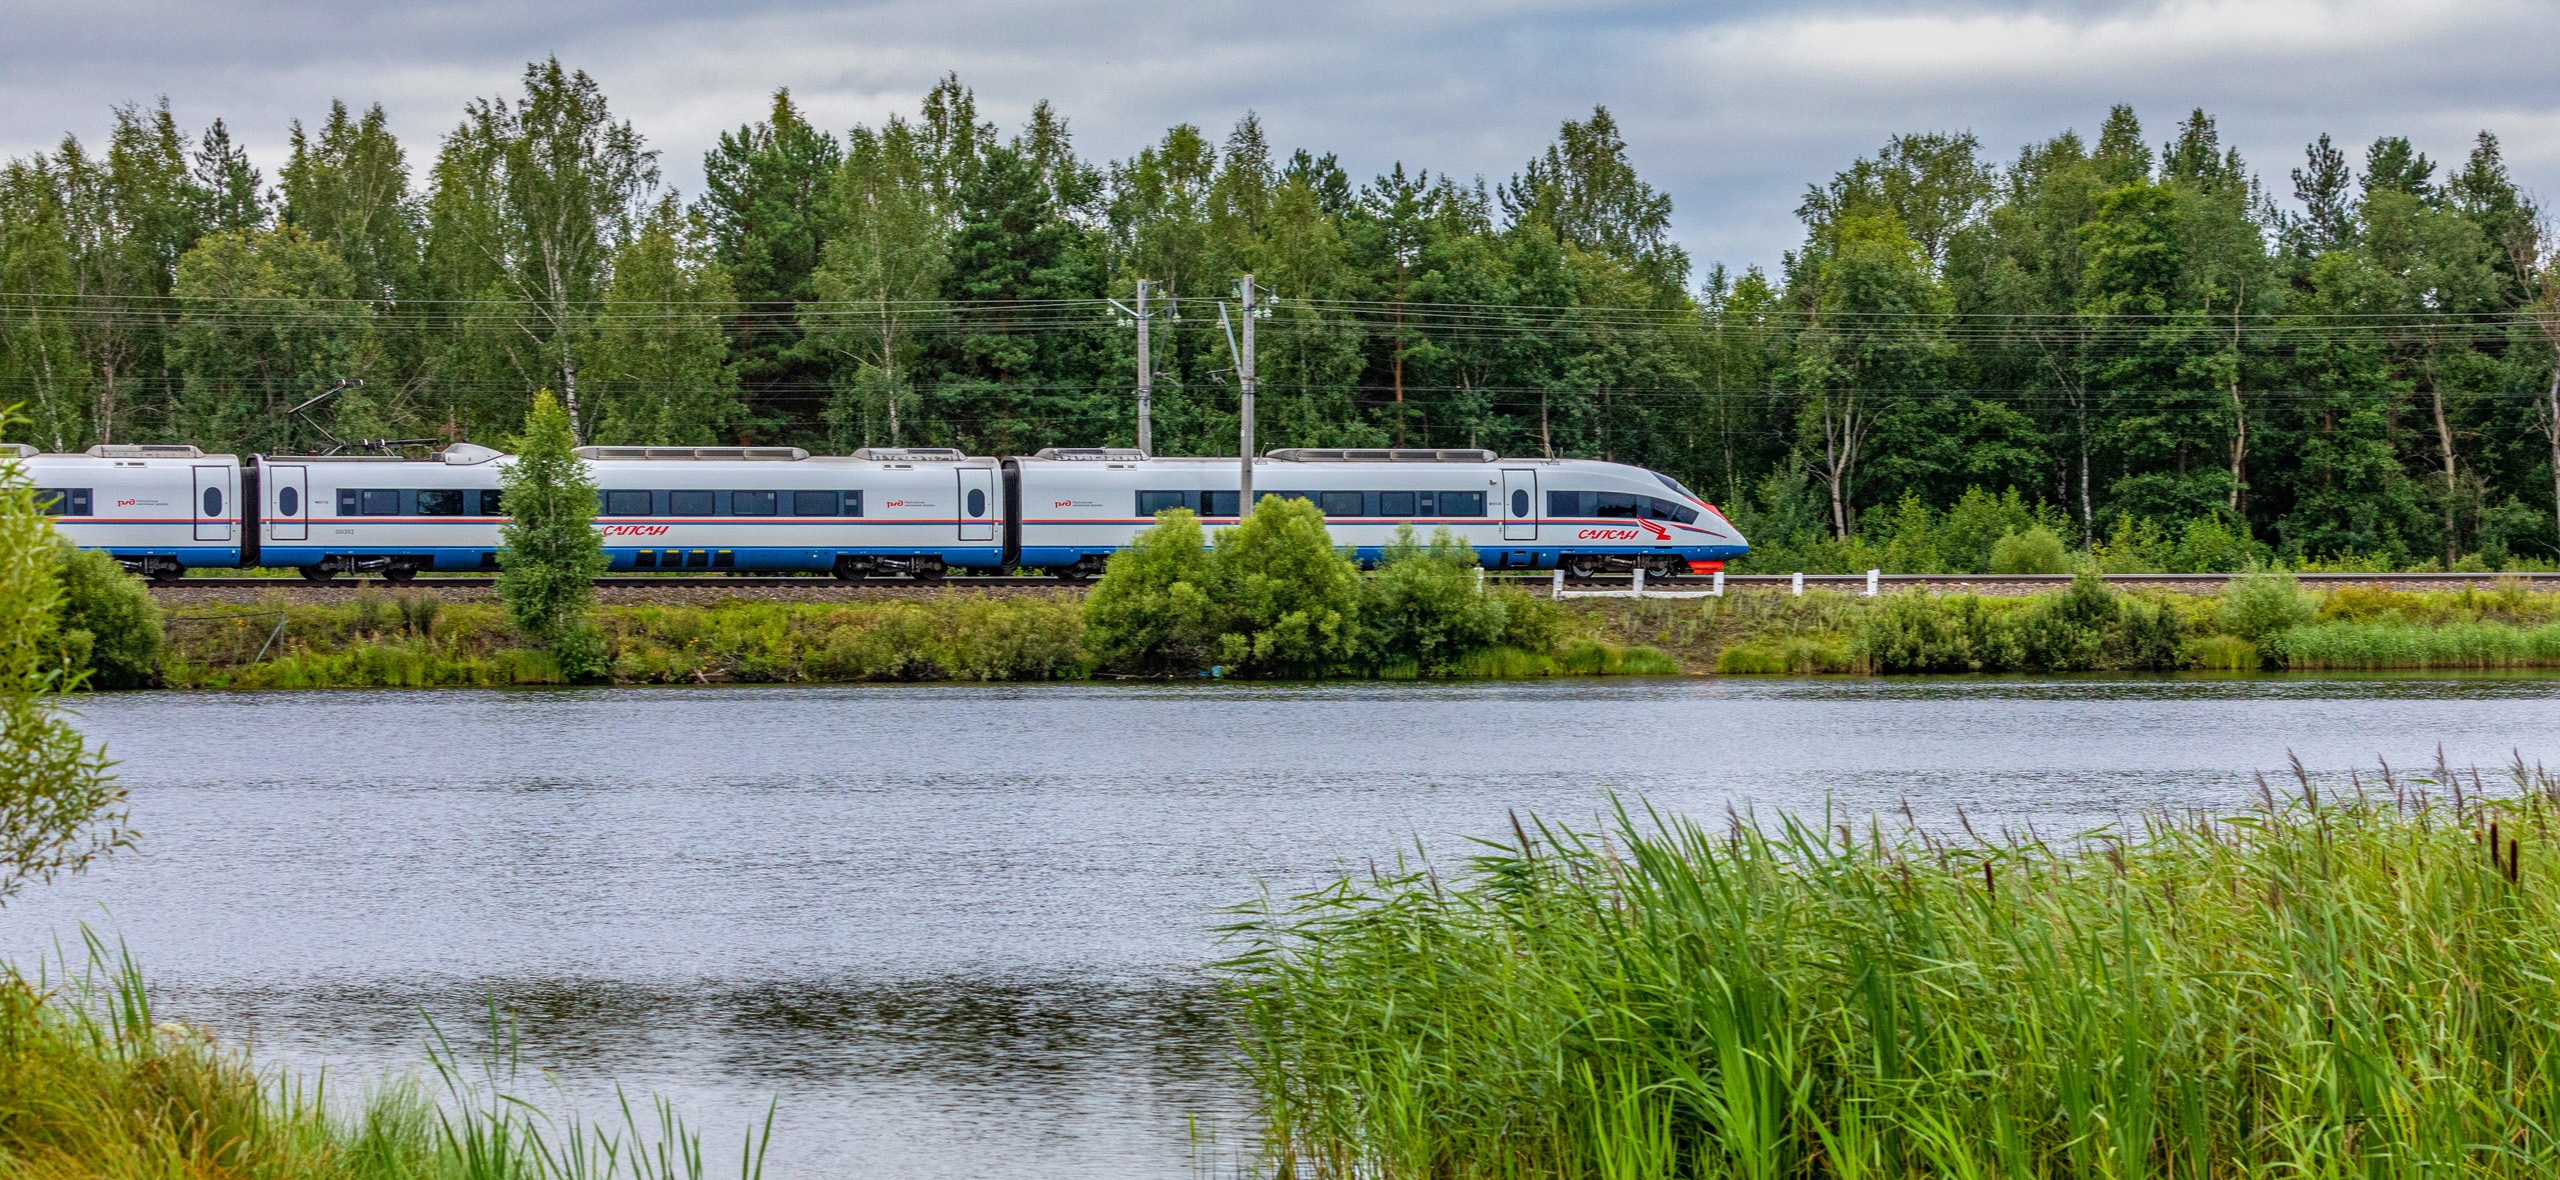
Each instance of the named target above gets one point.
<point>1291,603</point>
<point>110,624</point>
<point>2067,632</point>
<point>1424,605</point>
<point>2038,550</point>
<point>1151,612</point>
<point>1917,633</point>
<point>2263,604</point>
<point>2150,635</point>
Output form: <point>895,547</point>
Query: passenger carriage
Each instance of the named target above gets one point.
<point>334,514</point>
<point>159,509</point>
<point>1077,506</point>
<point>912,510</point>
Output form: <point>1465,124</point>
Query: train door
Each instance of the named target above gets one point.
<point>977,504</point>
<point>212,502</point>
<point>1519,504</point>
<point>289,518</point>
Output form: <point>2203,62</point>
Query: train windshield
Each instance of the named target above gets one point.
<point>1675,485</point>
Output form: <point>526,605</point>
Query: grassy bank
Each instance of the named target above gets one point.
<point>2267,622</point>
<point>2323,987</point>
<point>91,1085</point>
<point>416,639</point>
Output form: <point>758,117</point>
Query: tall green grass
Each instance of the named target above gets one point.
<point>2323,987</point>
<point>92,1085</point>
<point>2394,645</point>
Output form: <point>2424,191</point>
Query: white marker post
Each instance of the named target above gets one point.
<point>1874,579</point>
<point>1719,589</point>
<point>1639,589</point>
<point>1799,583</point>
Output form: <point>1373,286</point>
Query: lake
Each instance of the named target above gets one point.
<point>963,931</point>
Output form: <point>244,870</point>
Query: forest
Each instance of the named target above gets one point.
<point>2131,339</point>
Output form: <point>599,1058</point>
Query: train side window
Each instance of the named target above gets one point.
<point>1218,503</point>
<point>691,504</point>
<point>977,502</point>
<point>1660,509</point>
<point>350,502</point>
<point>752,503</point>
<point>64,501</point>
<point>853,503</point>
<point>288,502</point>
<point>437,502</point>
<point>213,501</point>
<point>1461,504</point>
<point>1339,503</point>
<point>626,503</point>
<point>1395,503</point>
<point>382,501</point>
<point>1150,503</point>
<point>493,503</point>
<point>1618,505</point>
<point>815,503</point>
<point>1567,504</point>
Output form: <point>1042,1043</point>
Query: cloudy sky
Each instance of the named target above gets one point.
<point>1731,107</point>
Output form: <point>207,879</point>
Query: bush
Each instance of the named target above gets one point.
<point>2150,635</point>
<point>1424,605</point>
<point>1151,613</point>
<point>1291,603</point>
<point>2261,605</point>
<point>111,627</point>
<point>2036,551</point>
<point>2068,632</point>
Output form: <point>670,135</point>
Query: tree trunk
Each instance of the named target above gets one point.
<point>2553,400</point>
<point>2239,424</point>
<point>2444,445</point>
<point>569,391</point>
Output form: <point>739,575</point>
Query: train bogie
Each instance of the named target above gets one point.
<point>159,509</point>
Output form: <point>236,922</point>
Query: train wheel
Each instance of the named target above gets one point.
<point>928,574</point>
<point>168,573</point>
<point>317,573</point>
<point>847,571</point>
<point>399,573</point>
<point>1073,575</point>
<point>1581,569</point>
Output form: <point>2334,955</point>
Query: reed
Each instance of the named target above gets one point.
<point>92,1085</point>
<point>2400,645</point>
<point>2357,985</point>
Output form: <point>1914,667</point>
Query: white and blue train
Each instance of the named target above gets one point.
<point>918,512</point>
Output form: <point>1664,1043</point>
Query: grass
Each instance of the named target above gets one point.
<point>93,1086</point>
<point>416,639</point>
<point>2327,986</point>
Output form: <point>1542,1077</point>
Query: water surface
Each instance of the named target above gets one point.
<point>961,931</point>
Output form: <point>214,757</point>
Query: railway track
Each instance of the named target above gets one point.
<point>1852,583</point>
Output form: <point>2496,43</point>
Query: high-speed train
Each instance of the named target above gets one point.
<point>913,511</point>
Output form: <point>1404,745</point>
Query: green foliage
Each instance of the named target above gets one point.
<point>1152,613</point>
<point>1289,601</point>
<point>550,555</point>
<point>1425,605</point>
<point>2259,606</point>
<point>1745,999</point>
<point>2102,325</point>
<point>2035,551</point>
<point>110,623</point>
<point>59,808</point>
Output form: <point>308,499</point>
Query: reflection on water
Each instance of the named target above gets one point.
<point>962,931</point>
